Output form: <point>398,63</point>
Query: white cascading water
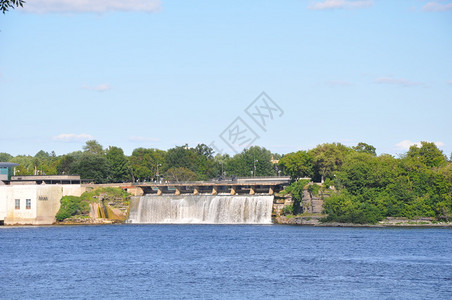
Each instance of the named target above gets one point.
<point>201,209</point>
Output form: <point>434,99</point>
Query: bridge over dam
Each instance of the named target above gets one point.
<point>233,186</point>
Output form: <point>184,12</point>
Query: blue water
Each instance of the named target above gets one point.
<point>224,262</point>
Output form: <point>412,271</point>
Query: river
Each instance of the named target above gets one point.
<point>224,262</point>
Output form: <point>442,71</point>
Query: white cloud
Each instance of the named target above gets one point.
<point>99,88</point>
<point>397,81</point>
<point>71,137</point>
<point>435,6</point>
<point>142,139</point>
<point>335,4</point>
<point>97,6</point>
<point>406,144</point>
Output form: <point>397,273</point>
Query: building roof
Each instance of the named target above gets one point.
<point>44,177</point>
<point>7,165</point>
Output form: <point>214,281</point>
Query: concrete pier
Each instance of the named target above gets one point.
<point>251,186</point>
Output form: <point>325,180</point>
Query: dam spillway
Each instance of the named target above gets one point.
<point>201,209</point>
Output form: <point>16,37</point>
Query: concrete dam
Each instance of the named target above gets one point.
<point>201,209</point>
<point>242,201</point>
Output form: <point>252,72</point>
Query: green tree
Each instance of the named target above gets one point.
<point>204,150</point>
<point>206,167</point>
<point>328,158</point>
<point>180,174</point>
<point>45,163</point>
<point>5,5</point>
<point>428,154</point>
<point>93,166</point>
<point>297,164</point>
<point>199,160</point>
<point>365,148</point>
<point>361,171</point>
<point>64,165</point>
<point>92,146</point>
<point>255,161</point>
<point>295,189</point>
<point>181,157</point>
<point>146,163</point>
<point>26,164</point>
<point>221,161</point>
<point>5,157</point>
<point>372,188</point>
<point>42,155</point>
<point>120,168</point>
<point>345,208</point>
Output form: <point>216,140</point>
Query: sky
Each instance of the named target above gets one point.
<point>285,75</point>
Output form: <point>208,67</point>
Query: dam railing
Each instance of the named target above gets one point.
<point>233,186</point>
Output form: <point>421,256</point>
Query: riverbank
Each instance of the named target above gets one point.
<point>301,220</point>
<point>294,223</point>
<point>314,220</point>
<point>86,221</point>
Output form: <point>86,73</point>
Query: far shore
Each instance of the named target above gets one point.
<point>314,220</point>
<point>294,221</point>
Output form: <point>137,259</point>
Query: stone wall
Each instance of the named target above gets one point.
<point>312,204</point>
<point>301,220</point>
<point>279,203</point>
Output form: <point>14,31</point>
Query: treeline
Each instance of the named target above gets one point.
<point>368,188</point>
<point>371,188</point>
<point>181,163</point>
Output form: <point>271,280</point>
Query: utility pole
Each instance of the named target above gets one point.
<point>254,173</point>
<point>157,173</point>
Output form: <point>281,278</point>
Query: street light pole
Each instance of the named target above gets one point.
<point>254,173</point>
<point>157,174</point>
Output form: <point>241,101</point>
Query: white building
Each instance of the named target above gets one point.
<point>32,204</point>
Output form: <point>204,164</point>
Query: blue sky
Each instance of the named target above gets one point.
<point>157,74</point>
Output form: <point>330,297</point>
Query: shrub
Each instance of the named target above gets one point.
<point>62,214</point>
<point>314,189</point>
<point>71,206</point>
<point>296,191</point>
<point>112,192</point>
<point>287,210</point>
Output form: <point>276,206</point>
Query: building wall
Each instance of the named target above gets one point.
<point>45,203</point>
<point>3,201</point>
<point>4,174</point>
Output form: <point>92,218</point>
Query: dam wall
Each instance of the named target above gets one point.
<point>201,209</point>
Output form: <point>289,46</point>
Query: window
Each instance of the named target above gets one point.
<point>17,204</point>
<point>28,204</point>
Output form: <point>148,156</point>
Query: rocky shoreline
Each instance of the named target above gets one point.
<point>86,221</point>
<point>309,220</point>
<point>389,222</point>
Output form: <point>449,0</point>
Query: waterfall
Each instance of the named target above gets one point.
<point>201,209</point>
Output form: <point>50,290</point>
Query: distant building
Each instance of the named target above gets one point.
<point>46,179</point>
<point>33,204</point>
<point>35,199</point>
<point>6,172</point>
